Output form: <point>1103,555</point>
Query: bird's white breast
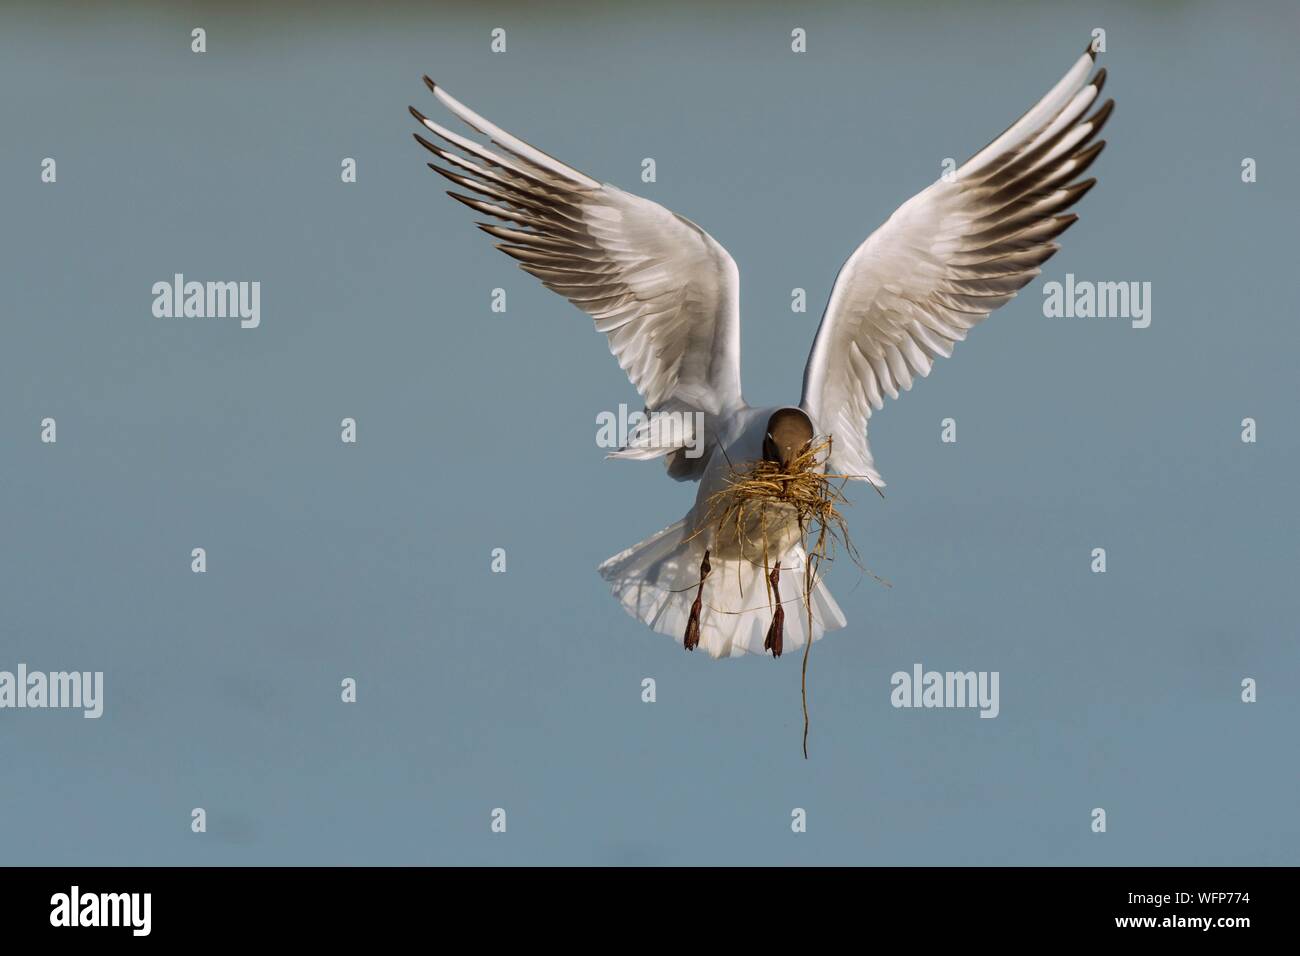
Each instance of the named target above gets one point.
<point>773,524</point>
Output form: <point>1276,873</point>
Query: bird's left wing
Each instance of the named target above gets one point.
<point>944,260</point>
<point>661,288</point>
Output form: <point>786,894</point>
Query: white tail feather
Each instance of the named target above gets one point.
<point>656,581</point>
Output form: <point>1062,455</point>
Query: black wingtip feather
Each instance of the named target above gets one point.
<point>429,83</point>
<point>1085,157</point>
<point>1079,190</point>
<point>1059,225</point>
<point>467,200</point>
<point>1088,153</point>
<point>449,175</point>
<point>1098,119</point>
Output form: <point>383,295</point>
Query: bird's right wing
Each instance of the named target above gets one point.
<point>660,287</point>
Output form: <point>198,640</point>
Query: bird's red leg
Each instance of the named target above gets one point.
<point>692,637</point>
<point>777,630</point>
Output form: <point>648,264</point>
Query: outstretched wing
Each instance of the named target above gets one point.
<point>663,291</point>
<point>945,259</point>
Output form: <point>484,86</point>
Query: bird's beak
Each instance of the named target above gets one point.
<point>775,454</point>
<point>771,452</point>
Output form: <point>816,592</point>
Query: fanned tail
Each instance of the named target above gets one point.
<point>656,582</point>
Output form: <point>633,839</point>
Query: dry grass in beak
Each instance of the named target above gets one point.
<point>766,488</point>
<point>804,486</point>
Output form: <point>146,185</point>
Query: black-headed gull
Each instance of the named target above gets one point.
<point>667,296</point>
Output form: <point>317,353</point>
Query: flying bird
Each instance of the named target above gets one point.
<point>666,295</point>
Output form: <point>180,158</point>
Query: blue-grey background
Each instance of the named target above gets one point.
<point>522,690</point>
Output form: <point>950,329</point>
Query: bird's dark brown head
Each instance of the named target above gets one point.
<point>789,433</point>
